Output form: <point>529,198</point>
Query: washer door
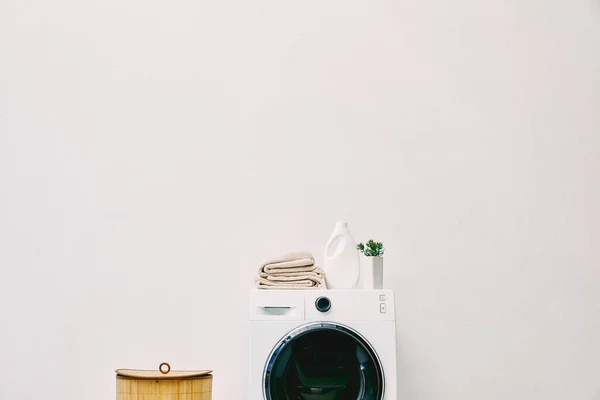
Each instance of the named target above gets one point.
<point>323,361</point>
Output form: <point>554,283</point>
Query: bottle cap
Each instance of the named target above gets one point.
<point>341,224</point>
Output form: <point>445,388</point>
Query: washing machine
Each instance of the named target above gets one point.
<point>322,345</point>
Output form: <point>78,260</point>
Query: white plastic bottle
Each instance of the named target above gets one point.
<point>342,268</point>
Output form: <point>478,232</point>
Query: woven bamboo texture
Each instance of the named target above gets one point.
<point>199,388</point>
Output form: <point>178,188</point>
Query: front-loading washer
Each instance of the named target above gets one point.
<point>322,345</point>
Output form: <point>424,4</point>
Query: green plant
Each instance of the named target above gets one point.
<point>372,249</point>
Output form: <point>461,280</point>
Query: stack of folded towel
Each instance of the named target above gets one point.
<point>296,270</point>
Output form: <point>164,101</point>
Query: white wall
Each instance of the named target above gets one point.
<point>153,152</point>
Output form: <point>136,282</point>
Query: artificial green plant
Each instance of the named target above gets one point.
<point>371,249</point>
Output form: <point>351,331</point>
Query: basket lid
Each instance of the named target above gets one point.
<point>163,372</point>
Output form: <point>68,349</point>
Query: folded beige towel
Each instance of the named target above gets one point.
<point>292,259</point>
<point>295,270</point>
<point>265,284</point>
<point>282,270</point>
<point>316,275</point>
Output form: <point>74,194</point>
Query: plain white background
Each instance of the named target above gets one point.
<point>153,152</point>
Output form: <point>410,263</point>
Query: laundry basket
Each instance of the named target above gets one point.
<point>163,384</point>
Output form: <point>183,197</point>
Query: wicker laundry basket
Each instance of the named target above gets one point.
<point>163,384</point>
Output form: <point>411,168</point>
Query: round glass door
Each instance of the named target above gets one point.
<point>323,361</point>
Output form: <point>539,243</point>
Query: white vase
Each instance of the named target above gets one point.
<point>371,272</point>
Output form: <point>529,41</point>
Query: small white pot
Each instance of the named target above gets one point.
<point>371,272</point>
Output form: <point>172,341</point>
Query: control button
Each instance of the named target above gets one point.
<point>382,297</point>
<point>323,304</point>
<point>382,308</point>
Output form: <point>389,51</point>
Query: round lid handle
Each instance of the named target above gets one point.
<point>164,368</point>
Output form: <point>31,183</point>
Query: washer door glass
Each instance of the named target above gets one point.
<point>323,361</point>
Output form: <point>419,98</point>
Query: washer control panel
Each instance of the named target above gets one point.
<point>349,304</point>
<point>382,305</point>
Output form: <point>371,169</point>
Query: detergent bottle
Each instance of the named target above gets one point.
<point>342,268</point>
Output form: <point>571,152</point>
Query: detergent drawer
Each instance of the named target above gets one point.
<point>276,305</point>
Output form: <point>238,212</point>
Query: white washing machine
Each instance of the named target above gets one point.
<point>322,345</point>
